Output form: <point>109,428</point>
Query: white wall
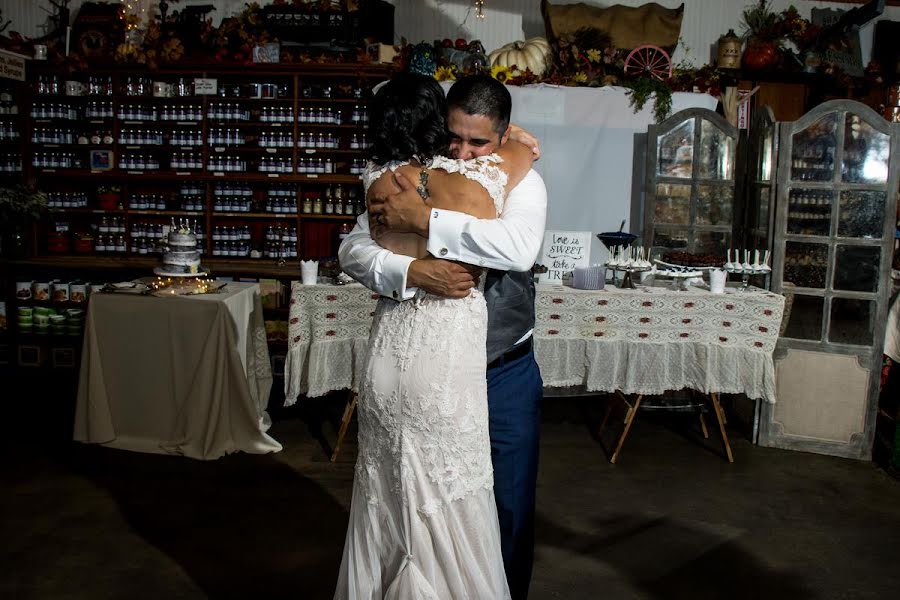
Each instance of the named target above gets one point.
<point>506,20</point>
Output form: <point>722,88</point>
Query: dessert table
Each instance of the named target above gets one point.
<point>186,375</point>
<point>641,341</point>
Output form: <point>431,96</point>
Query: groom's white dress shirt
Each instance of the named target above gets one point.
<point>508,243</point>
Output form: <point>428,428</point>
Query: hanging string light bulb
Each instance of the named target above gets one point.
<point>479,9</point>
<point>134,14</point>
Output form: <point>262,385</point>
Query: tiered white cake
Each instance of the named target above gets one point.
<point>183,256</point>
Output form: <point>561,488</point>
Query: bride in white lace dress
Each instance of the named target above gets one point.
<point>423,520</point>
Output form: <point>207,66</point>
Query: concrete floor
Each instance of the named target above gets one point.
<point>671,520</point>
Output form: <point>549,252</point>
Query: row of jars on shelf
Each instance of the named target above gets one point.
<point>8,132</point>
<point>51,85</point>
<point>217,163</point>
<point>8,105</point>
<point>188,161</point>
<point>100,85</point>
<point>188,112</point>
<point>181,138</point>
<point>332,206</point>
<point>153,230</point>
<point>67,200</point>
<point>244,250</point>
<point>10,162</point>
<point>191,197</point>
<point>159,202</point>
<point>810,198</point>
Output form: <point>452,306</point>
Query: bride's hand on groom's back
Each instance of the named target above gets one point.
<point>442,277</point>
<point>517,134</point>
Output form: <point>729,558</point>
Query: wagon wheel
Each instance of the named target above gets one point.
<point>650,61</point>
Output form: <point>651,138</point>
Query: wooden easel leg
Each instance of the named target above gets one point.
<point>605,418</point>
<point>703,427</point>
<point>720,417</point>
<point>629,419</point>
<point>345,423</point>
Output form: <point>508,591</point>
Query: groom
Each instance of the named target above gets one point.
<point>478,118</point>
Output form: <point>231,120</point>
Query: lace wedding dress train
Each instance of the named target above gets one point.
<point>423,521</point>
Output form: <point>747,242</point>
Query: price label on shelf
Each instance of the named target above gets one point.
<point>99,212</point>
<point>205,87</point>
<point>219,174</point>
<point>219,148</point>
<point>182,172</point>
<point>273,175</point>
<point>312,176</point>
<point>310,151</point>
<point>135,172</point>
<point>271,150</point>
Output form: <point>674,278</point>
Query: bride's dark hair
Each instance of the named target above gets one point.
<point>408,119</point>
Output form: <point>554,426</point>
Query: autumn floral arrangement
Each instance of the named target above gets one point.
<point>585,58</point>
<point>783,39</point>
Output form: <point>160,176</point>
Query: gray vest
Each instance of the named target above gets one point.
<point>510,305</point>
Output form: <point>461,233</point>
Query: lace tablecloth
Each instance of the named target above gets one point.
<point>642,341</point>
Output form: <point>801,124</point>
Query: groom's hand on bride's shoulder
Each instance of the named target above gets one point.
<point>402,211</point>
<point>442,277</point>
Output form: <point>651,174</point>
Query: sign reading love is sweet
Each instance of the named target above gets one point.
<point>562,252</point>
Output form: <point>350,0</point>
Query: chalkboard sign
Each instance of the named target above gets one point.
<point>849,60</point>
<point>562,252</point>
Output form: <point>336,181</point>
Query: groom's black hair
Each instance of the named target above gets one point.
<point>482,95</point>
<point>408,119</point>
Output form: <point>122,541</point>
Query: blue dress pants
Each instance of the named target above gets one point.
<point>515,390</point>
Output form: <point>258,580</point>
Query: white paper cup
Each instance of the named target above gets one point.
<point>717,278</point>
<point>309,271</point>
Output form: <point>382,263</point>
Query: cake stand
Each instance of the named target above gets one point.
<point>746,273</point>
<point>163,273</point>
<point>679,274</point>
<point>679,278</point>
<point>627,280</point>
<point>614,240</point>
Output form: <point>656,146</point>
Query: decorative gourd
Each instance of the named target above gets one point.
<point>534,54</point>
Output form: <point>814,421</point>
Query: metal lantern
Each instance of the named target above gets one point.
<point>729,55</point>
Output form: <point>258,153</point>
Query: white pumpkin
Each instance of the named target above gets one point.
<point>534,53</point>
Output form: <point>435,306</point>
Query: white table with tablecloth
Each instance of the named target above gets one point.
<point>641,341</point>
<point>185,375</point>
